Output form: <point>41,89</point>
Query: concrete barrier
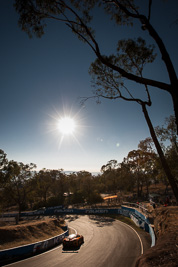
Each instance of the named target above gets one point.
<point>7,219</point>
<point>140,220</point>
<point>9,255</point>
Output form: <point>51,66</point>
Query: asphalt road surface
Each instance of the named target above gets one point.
<point>107,243</point>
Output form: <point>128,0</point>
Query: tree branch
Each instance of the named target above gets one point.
<point>133,77</point>
<point>149,10</point>
<point>158,40</point>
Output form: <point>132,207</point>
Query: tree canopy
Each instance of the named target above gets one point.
<point>110,73</point>
<point>77,15</point>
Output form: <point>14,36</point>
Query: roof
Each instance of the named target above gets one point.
<point>110,197</point>
<point>72,236</point>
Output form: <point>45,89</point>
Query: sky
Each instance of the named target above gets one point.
<point>43,80</point>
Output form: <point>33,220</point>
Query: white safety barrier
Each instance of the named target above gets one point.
<point>9,255</point>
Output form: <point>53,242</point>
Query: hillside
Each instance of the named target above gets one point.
<point>165,253</point>
<point>29,232</point>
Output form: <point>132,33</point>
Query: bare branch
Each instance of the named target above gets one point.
<point>133,77</point>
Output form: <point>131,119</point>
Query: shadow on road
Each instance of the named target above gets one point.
<point>70,251</point>
<point>71,218</point>
<point>101,221</point>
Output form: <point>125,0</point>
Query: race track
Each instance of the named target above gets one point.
<point>107,242</point>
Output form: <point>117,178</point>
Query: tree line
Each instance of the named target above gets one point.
<point>23,186</point>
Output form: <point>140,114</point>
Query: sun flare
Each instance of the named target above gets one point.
<point>66,125</point>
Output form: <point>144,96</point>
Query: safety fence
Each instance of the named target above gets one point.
<point>9,255</point>
<point>138,218</point>
<point>137,206</point>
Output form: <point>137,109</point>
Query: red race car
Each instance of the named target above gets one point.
<point>73,241</point>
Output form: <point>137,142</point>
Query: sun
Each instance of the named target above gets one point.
<point>66,125</point>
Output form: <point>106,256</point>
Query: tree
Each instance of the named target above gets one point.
<point>76,15</point>
<point>167,132</point>
<point>42,182</point>
<point>86,185</point>
<point>167,135</point>
<point>149,160</point>
<point>110,72</point>
<point>16,183</point>
<point>3,159</point>
<point>111,165</point>
<point>111,176</point>
<point>3,163</point>
<point>125,177</point>
<point>172,158</point>
<point>101,183</point>
<point>142,163</point>
<point>59,184</point>
<point>134,160</point>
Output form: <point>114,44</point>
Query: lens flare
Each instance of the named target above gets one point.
<point>66,125</point>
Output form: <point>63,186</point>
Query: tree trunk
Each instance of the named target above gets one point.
<point>138,187</point>
<point>141,190</point>
<point>147,189</point>
<point>165,166</point>
<point>175,104</point>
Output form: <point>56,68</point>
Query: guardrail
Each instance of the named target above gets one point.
<point>137,206</point>
<point>12,218</point>
<point>9,255</point>
<point>139,219</point>
<point>138,214</point>
<point>7,219</point>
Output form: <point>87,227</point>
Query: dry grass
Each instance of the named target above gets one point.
<point>29,232</point>
<point>165,253</point>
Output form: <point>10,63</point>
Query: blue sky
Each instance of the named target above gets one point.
<point>43,79</point>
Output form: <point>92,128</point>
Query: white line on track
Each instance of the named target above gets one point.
<point>141,244</point>
<point>73,229</point>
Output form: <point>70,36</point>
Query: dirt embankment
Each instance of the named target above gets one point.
<point>29,232</point>
<point>165,253</point>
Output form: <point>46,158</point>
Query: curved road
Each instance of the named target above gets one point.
<point>107,242</point>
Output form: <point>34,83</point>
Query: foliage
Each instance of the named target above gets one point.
<point>110,72</point>
<point>132,56</point>
<point>3,159</point>
<point>3,163</point>
<point>141,164</point>
<point>167,132</point>
<point>16,183</point>
<point>167,135</point>
<point>22,186</point>
<point>77,15</point>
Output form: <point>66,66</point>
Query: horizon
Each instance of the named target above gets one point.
<point>43,81</point>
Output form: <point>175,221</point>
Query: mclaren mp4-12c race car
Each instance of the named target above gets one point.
<point>72,241</point>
